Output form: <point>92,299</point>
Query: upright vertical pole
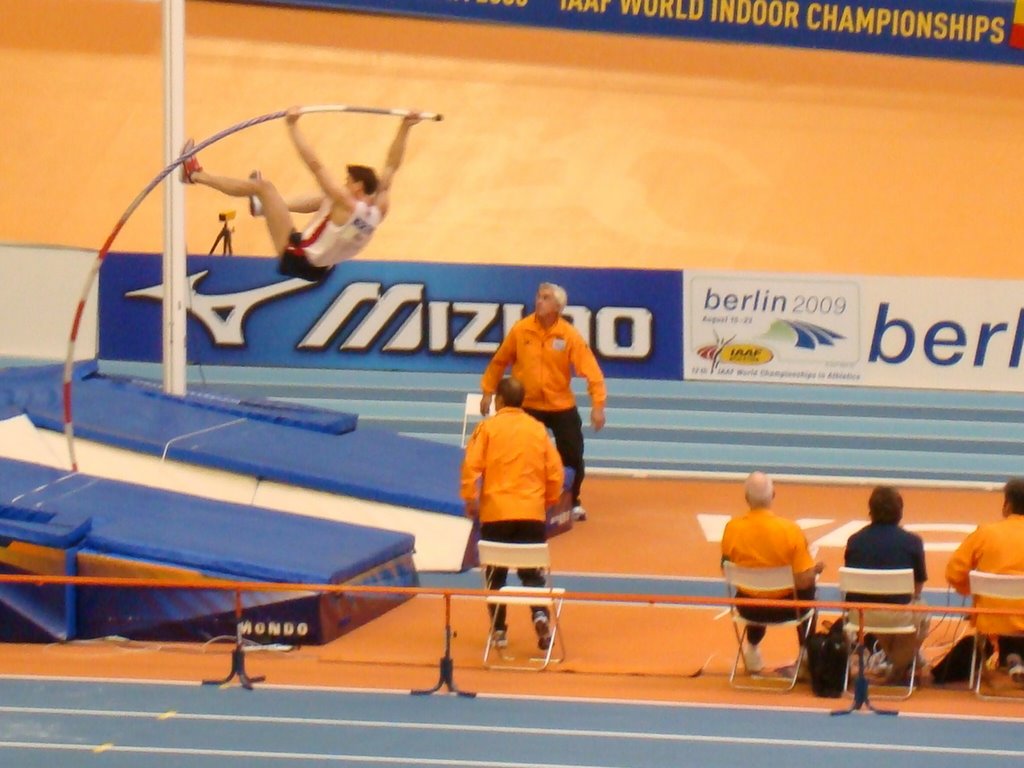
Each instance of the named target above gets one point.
<point>174,267</point>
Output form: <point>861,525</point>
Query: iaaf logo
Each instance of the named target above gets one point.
<point>1017,25</point>
<point>799,334</point>
<point>615,333</point>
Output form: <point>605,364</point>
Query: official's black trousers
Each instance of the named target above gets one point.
<point>567,427</point>
<point>769,615</point>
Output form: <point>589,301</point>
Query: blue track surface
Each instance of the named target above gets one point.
<point>47,723</point>
<point>609,584</point>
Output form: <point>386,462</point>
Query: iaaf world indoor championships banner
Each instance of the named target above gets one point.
<point>966,30</point>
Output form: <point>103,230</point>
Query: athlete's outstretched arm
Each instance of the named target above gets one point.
<point>396,153</point>
<point>331,187</point>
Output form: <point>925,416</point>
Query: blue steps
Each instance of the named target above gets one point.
<point>852,433</point>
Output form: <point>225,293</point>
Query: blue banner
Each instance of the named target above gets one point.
<point>386,315</point>
<point>966,30</point>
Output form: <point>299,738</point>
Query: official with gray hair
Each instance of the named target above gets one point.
<point>544,351</point>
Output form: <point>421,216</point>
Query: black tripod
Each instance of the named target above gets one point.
<point>224,236</point>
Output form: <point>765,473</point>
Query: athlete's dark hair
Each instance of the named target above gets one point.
<point>366,175</point>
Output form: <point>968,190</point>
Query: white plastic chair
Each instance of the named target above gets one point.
<point>879,582</point>
<point>471,413</point>
<point>1001,587</point>
<point>515,556</point>
<point>751,581</point>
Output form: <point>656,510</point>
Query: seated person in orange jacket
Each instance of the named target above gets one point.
<point>511,474</point>
<point>996,548</point>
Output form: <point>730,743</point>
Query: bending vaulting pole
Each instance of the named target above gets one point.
<point>69,360</point>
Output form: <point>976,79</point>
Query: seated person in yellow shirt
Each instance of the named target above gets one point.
<point>762,539</point>
<point>996,548</point>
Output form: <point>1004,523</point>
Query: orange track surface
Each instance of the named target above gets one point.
<point>632,652</point>
<point>580,149</point>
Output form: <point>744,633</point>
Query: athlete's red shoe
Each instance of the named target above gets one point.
<point>190,164</point>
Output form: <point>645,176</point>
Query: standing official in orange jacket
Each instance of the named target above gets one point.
<point>544,351</point>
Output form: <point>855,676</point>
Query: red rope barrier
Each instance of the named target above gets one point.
<point>447,593</point>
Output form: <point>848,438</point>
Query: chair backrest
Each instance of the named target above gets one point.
<point>771,579</point>
<point>876,581</point>
<point>471,412</point>
<point>502,555</point>
<point>890,582</point>
<point>1008,587</point>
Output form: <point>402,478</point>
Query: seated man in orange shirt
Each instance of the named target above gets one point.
<point>996,548</point>
<point>511,474</point>
<point>762,539</point>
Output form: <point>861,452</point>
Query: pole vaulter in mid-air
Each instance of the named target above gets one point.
<point>346,213</point>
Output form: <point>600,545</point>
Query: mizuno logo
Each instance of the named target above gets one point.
<point>224,314</point>
<point>401,320</point>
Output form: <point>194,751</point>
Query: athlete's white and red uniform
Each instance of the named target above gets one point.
<point>324,243</point>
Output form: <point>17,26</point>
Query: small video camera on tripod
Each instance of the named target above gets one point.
<point>224,236</point>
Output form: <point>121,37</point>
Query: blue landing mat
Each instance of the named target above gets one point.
<point>232,540</point>
<point>55,523</point>
<point>307,447</point>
